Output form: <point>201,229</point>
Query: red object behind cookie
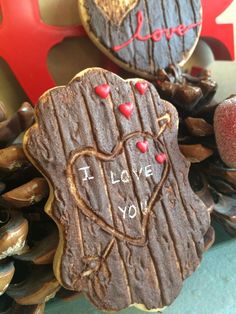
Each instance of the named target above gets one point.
<point>225,131</point>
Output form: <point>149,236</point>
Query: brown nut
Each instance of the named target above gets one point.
<point>27,194</point>
<point>39,287</point>
<point>196,153</point>
<point>13,235</point>
<point>199,127</point>
<point>7,270</point>
<point>12,158</point>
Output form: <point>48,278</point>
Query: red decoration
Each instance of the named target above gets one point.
<point>103,90</point>
<point>25,42</point>
<point>141,87</point>
<point>161,158</point>
<point>126,109</point>
<point>220,37</point>
<point>158,34</point>
<point>142,146</point>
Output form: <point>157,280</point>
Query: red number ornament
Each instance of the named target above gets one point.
<point>25,42</point>
<point>220,37</point>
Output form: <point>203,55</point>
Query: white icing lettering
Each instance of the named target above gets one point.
<point>133,209</point>
<point>123,211</point>
<point>148,171</point>
<point>138,173</point>
<point>113,181</point>
<point>124,176</point>
<point>86,173</point>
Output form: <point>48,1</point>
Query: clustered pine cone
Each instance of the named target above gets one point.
<point>28,237</point>
<point>211,178</point>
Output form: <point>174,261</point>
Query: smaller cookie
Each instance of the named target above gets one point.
<point>143,36</point>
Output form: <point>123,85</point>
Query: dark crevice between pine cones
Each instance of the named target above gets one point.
<point>25,265</point>
<point>210,178</point>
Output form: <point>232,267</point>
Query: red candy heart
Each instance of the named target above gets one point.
<point>141,87</point>
<point>161,158</point>
<point>103,90</point>
<point>142,146</point>
<point>126,109</point>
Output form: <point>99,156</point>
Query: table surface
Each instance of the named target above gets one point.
<point>210,290</point>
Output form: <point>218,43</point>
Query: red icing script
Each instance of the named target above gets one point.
<point>158,34</point>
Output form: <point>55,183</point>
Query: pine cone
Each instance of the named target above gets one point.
<point>188,93</point>
<point>210,177</point>
<point>28,237</point>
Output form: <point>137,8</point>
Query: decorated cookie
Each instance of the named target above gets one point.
<point>143,36</point>
<point>131,229</point>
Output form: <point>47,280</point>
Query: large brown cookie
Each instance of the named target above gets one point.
<point>131,229</point>
<point>143,36</point>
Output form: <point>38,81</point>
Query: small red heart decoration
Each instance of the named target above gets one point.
<point>141,87</point>
<point>126,109</point>
<point>103,90</point>
<point>142,146</point>
<point>161,158</point>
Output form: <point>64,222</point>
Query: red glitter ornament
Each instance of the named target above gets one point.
<point>25,42</point>
<point>220,37</point>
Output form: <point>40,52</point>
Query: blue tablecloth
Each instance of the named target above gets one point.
<point>210,290</point>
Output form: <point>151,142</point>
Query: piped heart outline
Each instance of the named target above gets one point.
<point>88,212</point>
<point>116,10</point>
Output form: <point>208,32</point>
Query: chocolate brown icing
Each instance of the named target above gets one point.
<point>118,261</point>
